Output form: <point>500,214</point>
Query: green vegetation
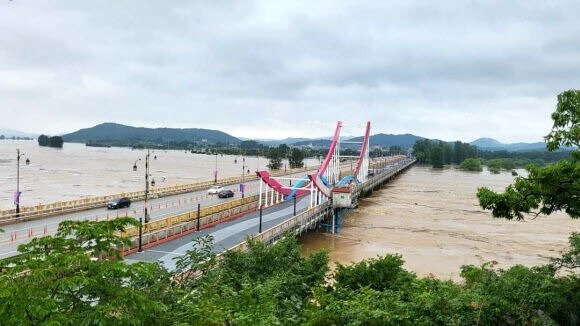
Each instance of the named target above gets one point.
<point>438,153</point>
<point>296,158</point>
<point>471,164</point>
<point>77,278</point>
<point>54,141</point>
<point>553,187</point>
<point>431,152</point>
<point>275,155</point>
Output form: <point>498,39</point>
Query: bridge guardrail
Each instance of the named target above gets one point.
<point>286,226</point>
<point>205,216</point>
<point>45,210</point>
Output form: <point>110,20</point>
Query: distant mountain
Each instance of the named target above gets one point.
<point>382,140</point>
<point>276,142</point>
<point>114,133</point>
<point>16,133</point>
<point>494,145</point>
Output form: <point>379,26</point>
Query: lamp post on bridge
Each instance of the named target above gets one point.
<point>243,174</point>
<point>215,172</point>
<point>17,193</point>
<point>146,211</point>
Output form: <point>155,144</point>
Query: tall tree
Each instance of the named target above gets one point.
<point>437,156</point>
<point>274,156</point>
<point>296,158</point>
<point>43,140</point>
<point>551,188</point>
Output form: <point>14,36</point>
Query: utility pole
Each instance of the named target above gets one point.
<point>146,186</point>
<point>215,171</point>
<point>243,171</point>
<point>17,195</point>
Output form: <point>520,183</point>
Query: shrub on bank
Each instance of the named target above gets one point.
<point>471,164</point>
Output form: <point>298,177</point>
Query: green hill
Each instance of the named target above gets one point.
<point>121,135</point>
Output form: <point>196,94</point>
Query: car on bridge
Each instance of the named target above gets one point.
<point>226,193</point>
<point>119,203</point>
<point>214,190</point>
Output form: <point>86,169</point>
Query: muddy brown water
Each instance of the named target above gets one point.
<point>432,218</point>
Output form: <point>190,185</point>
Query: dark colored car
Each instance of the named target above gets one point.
<point>225,194</point>
<point>119,203</point>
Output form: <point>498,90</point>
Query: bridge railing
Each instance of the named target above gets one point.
<point>287,226</point>
<point>61,207</point>
<point>207,215</point>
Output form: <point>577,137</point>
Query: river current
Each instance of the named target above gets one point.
<point>431,217</point>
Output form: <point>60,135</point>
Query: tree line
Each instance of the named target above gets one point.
<point>469,157</point>
<point>2,137</point>
<point>439,153</point>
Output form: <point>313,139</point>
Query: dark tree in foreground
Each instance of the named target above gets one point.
<point>553,187</point>
<point>76,277</point>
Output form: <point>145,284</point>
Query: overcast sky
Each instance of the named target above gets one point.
<point>272,69</point>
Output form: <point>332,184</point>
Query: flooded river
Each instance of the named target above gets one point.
<point>78,171</point>
<point>432,218</point>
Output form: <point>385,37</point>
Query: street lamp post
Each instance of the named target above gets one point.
<point>215,171</point>
<point>243,171</point>
<point>146,185</point>
<point>17,194</point>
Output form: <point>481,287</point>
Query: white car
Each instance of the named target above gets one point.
<point>214,190</point>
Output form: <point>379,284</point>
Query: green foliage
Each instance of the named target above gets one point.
<point>380,292</point>
<point>43,140</point>
<point>395,150</point>
<point>437,156</point>
<point>378,274</point>
<point>439,153</point>
<point>275,155</point>
<point>296,158</point>
<point>471,164</point>
<point>566,127</point>
<point>550,188</point>
<point>75,278</point>
<point>266,285</point>
<point>54,141</point>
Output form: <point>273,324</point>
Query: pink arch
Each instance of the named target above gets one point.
<point>363,149</point>
<point>333,144</point>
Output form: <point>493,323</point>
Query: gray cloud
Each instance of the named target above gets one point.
<point>450,70</point>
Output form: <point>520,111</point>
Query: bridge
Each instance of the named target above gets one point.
<point>284,204</point>
<point>295,201</point>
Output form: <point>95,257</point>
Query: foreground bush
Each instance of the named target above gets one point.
<point>77,278</point>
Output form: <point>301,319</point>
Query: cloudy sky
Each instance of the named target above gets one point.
<point>272,69</point>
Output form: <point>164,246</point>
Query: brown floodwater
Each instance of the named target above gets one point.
<point>432,218</point>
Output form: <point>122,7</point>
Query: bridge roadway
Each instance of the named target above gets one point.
<point>19,233</point>
<point>225,235</point>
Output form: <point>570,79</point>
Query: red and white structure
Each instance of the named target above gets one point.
<point>272,191</point>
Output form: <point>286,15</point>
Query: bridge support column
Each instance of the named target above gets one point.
<point>272,197</point>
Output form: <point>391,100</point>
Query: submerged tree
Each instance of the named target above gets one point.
<point>553,187</point>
